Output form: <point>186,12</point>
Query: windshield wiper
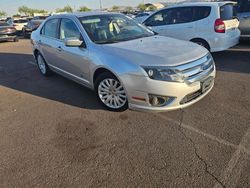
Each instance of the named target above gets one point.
<point>106,42</point>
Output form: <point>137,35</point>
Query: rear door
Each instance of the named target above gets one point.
<point>228,15</point>
<point>244,16</point>
<point>49,41</point>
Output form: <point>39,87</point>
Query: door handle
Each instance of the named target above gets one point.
<point>59,48</point>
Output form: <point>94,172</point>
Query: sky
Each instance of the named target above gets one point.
<point>11,6</point>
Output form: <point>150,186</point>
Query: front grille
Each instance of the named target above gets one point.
<point>197,70</point>
<point>191,97</point>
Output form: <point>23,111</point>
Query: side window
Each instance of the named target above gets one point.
<point>201,12</point>
<point>159,18</point>
<point>181,15</point>
<point>50,28</point>
<point>68,29</point>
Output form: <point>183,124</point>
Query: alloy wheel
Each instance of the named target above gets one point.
<point>112,93</point>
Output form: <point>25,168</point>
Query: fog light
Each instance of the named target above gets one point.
<point>158,101</point>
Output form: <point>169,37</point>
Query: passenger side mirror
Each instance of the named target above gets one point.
<point>74,42</point>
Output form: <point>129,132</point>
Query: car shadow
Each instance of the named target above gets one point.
<point>18,72</point>
<point>236,59</point>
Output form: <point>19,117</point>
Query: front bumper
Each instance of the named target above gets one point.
<point>140,87</point>
<point>7,37</point>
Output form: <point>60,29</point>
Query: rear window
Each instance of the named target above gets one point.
<point>227,12</point>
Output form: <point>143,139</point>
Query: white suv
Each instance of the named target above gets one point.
<point>210,24</point>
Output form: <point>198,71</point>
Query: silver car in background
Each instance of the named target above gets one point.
<point>243,13</point>
<point>124,62</point>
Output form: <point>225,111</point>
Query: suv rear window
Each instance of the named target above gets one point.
<point>227,12</point>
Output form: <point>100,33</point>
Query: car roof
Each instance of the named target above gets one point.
<point>83,14</point>
<point>219,3</point>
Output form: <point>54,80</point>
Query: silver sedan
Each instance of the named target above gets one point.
<point>127,65</point>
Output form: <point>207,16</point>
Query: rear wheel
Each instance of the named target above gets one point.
<point>42,65</point>
<point>16,39</point>
<point>111,92</point>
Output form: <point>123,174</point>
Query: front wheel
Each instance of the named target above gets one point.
<point>111,92</point>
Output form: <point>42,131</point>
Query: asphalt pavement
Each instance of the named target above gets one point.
<point>54,133</point>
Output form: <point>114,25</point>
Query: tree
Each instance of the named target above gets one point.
<point>129,9</point>
<point>151,8</point>
<point>25,10</point>
<point>142,7</point>
<point>83,9</point>
<point>2,13</point>
<point>16,16</point>
<point>115,8</point>
<point>65,9</point>
<point>29,11</point>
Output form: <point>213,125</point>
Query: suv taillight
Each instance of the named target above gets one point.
<point>219,26</point>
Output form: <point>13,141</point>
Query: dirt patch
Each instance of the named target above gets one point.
<point>77,139</point>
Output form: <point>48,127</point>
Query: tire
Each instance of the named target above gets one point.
<point>110,92</point>
<point>15,39</point>
<point>42,65</point>
<point>201,42</point>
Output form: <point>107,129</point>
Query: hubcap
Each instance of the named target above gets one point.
<point>41,64</point>
<point>112,93</point>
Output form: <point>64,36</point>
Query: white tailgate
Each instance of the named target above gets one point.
<point>232,26</point>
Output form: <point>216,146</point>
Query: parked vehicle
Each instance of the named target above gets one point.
<point>40,17</point>
<point>19,23</point>
<point>142,16</point>
<point>30,27</point>
<point>243,13</point>
<point>7,32</point>
<point>124,62</point>
<point>210,24</point>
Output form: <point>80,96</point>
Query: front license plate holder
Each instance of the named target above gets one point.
<point>207,84</point>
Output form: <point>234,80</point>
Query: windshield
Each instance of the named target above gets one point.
<point>111,28</point>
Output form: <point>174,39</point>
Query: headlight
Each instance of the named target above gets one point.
<point>164,74</point>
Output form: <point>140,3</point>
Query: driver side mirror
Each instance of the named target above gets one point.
<point>74,42</point>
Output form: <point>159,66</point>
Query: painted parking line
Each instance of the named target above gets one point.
<point>238,161</point>
<point>231,175</point>
<point>241,147</point>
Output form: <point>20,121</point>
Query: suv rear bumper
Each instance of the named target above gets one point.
<point>224,42</point>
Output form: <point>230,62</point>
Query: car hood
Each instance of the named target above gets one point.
<point>156,51</point>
